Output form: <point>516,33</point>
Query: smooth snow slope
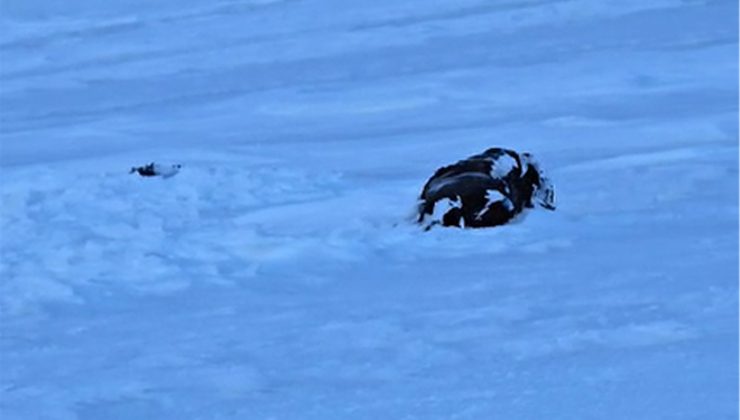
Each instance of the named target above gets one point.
<point>279,276</point>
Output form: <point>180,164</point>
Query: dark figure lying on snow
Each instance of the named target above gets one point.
<point>155,169</point>
<point>484,190</point>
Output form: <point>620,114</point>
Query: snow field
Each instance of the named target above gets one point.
<point>279,276</point>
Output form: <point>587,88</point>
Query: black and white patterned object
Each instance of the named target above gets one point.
<point>156,169</point>
<point>485,190</point>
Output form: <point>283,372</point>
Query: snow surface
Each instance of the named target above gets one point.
<point>279,275</point>
<point>495,196</point>
<point>504,164</point>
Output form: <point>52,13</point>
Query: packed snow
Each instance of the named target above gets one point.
<point>280,275</point>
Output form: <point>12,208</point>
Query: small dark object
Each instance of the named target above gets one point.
<point>154,169</point>
<point>484,190</point>
<point>146,170</point>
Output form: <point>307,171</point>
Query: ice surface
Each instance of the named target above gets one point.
<point>279,274</point>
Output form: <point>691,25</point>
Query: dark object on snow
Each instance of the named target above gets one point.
<point>484,190</point>
<point>154,169</point>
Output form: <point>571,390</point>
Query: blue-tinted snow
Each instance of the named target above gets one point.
<point>278,274</point>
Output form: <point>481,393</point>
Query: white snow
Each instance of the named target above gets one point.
<point>492,197</point>
<point>504,165</point>
<point>441,208</point>
<point>279,275</point>
<point>167,171</point>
